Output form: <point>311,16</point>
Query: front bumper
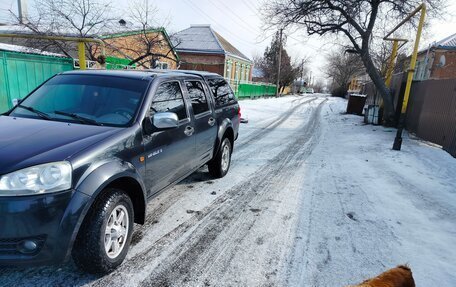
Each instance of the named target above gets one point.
<point>51,221</point>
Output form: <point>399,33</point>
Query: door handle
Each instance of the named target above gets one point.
<point>189,130</point>
<point>211,121</point>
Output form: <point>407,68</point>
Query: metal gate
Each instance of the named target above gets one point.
<point>20,73</point>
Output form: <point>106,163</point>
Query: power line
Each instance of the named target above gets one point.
<point>195,8</point>
<point>302,42</point>
<point>252,8</point>
<point>234,20</point>
<point>266,37</point>
<point>237,16</point>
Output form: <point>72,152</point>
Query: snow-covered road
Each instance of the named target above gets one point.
<point>313,198</point>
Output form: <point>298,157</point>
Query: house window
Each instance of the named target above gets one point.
<point>162,65</point>
<point>242,73</point>
<point>236,76</point>
<point>417,76</point>
<point>229,66</point>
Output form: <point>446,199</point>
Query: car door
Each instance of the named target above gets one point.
<point>205,123</point>
<point>170,154</point>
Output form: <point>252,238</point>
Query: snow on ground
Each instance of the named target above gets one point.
<point>366,208</point>
<point>313,198</point>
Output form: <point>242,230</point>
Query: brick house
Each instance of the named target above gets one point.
<point>125,42</point>
<point>438,61</point>
<point>201,48</point>
<point>135,43</point>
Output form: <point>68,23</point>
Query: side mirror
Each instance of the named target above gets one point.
<point>166,120</point>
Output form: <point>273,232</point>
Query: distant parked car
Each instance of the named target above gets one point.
<point>308,91</point>
<point>84,152</point>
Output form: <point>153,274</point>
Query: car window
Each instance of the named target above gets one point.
<point>197,96</point>
<point>104,99</point>
<point>168,98</point>
<point>222,92</point>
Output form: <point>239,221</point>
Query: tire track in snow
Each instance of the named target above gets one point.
<point>268,120</point>
<point>68,275</point>
<point>269,127</point>
<point>171,197</point>
<point>195,255</point>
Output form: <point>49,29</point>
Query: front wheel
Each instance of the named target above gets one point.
<point>104,238</point>
<point>220,164</point>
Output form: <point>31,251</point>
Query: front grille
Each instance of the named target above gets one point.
<point>9,246</point>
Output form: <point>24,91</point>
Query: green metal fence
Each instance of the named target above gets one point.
<point>20,73</point>
<point>252,90</point>
<point>245,90</point>
<point>114,63</point>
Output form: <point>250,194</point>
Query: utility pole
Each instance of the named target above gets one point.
<point>22,9</point>
<point>279,62</point>
<point>302,75</point>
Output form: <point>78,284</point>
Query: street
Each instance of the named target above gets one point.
<point>313,198</point>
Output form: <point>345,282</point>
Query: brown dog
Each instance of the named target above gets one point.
<point>401,276</point>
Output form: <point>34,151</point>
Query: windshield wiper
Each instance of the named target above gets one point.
<point>79,118</point>
<point>43,115</point>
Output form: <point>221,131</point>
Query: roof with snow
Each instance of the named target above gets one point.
<point>203,39</point>
<point>27,50</point>
<point>447,43</point>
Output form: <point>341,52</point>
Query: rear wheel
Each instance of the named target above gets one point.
<point>220,164</point>
<point>104,238</point>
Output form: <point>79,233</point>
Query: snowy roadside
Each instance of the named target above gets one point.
<point>313,198</point>
<point>366,208</point>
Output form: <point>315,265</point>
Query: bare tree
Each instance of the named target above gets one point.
<point>353,19</point>
<point>79,18</point>
<point>381,56</point>
<point>341,68</point>
<point>96,18</point>
<point>318,86</point>
<point>149,43</point>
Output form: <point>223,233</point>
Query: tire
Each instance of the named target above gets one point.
<point>90,252</point>
<point>220,164</point>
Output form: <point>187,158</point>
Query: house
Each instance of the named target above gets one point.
<point>151,48</point>
<point>201,48</point>
<point>148,48</point>
<point>438,61</point>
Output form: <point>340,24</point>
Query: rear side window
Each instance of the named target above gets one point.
<point>222,92</point>
<point>197,97</point>
<point>168,98</point>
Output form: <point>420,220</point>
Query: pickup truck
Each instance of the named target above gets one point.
<point>83,153</point>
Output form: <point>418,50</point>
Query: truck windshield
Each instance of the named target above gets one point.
<point>85,99</point>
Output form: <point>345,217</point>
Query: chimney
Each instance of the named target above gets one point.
<point>22,8</point>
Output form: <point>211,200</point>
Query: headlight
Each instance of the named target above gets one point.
<point>44,178</point>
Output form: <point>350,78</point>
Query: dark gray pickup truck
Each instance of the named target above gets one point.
<point>82,154</point>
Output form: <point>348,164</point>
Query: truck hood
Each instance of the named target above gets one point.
<point>28,142</point>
